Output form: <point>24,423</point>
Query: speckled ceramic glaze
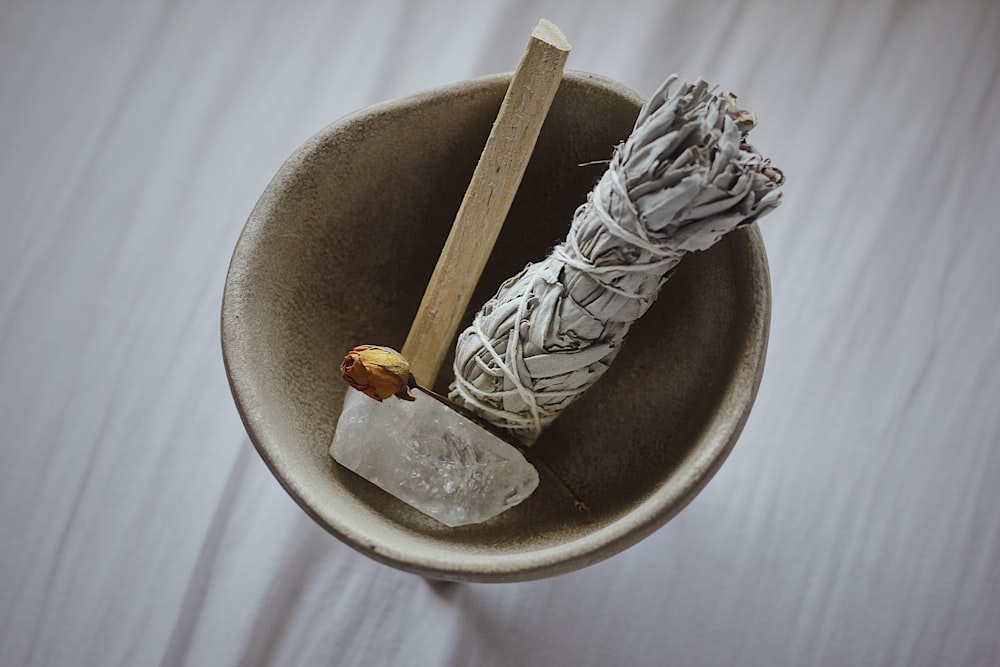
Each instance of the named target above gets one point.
<point>337,253</point>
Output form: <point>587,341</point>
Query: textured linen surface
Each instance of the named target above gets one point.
<point>855,523</point>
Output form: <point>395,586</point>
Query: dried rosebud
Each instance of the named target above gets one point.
<point>377,372</point>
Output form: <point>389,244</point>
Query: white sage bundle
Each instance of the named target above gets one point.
<point>683,179</point>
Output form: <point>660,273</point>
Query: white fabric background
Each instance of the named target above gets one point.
<point>856,522</point>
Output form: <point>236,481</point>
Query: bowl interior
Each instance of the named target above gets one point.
<point>337,253</point>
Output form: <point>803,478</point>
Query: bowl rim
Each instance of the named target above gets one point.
<point>669,498</point>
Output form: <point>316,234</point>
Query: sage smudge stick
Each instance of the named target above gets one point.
<point>684,178</point>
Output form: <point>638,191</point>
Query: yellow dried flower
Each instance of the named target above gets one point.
<point>378,372</point>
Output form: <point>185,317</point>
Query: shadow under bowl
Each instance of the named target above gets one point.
<point>337,253</point>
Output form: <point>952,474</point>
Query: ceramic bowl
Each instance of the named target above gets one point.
<point>337,253</point>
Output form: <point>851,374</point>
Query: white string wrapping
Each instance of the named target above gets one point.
<point>682,180</point>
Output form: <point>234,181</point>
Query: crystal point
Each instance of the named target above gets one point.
<point>431,458</point>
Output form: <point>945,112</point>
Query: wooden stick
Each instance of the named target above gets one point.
<point>486,202</point>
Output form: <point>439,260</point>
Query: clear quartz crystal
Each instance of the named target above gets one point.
<point>431,458</point>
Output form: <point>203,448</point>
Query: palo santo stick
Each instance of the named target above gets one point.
<point>487,201</point>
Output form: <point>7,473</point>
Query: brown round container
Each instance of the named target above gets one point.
<point>337,253</point>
